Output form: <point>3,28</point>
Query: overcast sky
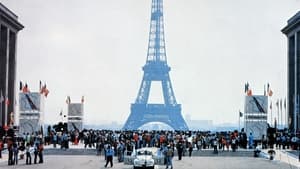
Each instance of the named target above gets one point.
<point>97,48</point>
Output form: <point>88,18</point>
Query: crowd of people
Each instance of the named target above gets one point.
<point>184,142</point>
<point>124,142</point>
<point>29,146</point>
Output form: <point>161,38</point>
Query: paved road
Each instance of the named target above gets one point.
<point>97,162</point>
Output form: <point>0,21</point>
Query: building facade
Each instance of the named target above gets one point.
<point>75,116</point>
<point>9,28</point>
<point>292,31</point>
<point>256,115</point>
<point>31,112</point>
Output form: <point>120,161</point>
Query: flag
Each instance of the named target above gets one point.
<point>249,92</point>
<point>12,119</point>
<point>268,87</point>
<point>271,105</point>
<point>246,87</point>
<point>7,101</point>
<point>1,97</point>
<point>40,85</point>
<point>21,85</point>
<point>241,114</point>
<point>25,89</point>
<point>68,101</point>
<point>270,92</point>
<point>82,99</point>
<point>44,90</point>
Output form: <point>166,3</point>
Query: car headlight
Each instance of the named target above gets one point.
<point>150,162</point>
<point>138,162</point>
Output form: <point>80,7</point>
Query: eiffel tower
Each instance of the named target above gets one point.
<point>156,69</point>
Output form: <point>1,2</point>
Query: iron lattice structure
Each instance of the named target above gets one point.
<point>156,69</point>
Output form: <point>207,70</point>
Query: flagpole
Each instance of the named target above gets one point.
<point>286,115</point>
<point>281,114</point>
<point>271,114</point>
<point>1,107</point>
<point>239,120</point>
<point>277,105</point>
<point>5,111</point>
<point>295,120</point>
<point>1,111</point>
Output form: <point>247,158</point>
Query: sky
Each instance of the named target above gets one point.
<point>96,49</point>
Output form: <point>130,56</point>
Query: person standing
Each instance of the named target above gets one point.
<point>41,149</point>
<point>36,152</point>
<point>233,143</point>
<point>10,150</point>
<point>251,141</point>
<point>28,155</point>
<point>54,140</point>
<point>15,154</point>
<point>109,156</point>
<point>190,149</point>
<point>179,150</point>
<point>169,157</point>
<point>1,147</point>
<point>215,145</point>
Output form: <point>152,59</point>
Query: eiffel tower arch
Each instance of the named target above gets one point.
<point>156,69</point>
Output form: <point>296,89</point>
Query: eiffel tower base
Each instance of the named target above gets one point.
<point>146,113</point>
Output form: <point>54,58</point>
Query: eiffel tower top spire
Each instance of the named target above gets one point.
<point>156,45</point>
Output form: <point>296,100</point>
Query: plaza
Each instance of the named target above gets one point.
<point>73,138</point>
<point>92,162</point>
<point>77,157</point>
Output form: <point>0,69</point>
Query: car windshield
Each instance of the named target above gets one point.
<point>144,152</point>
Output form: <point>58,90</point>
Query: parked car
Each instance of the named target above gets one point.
<point>145,158</point>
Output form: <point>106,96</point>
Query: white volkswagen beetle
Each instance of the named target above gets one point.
<point>144,158</point>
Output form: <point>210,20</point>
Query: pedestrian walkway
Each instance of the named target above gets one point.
<point>4,156</point>
<point>97,162</point>
<point>284,156</point>
<point>71,146</point>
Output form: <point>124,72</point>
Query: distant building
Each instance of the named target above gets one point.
<point>9,27</point>
<point>292,31</point>
<point>199,124</point>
